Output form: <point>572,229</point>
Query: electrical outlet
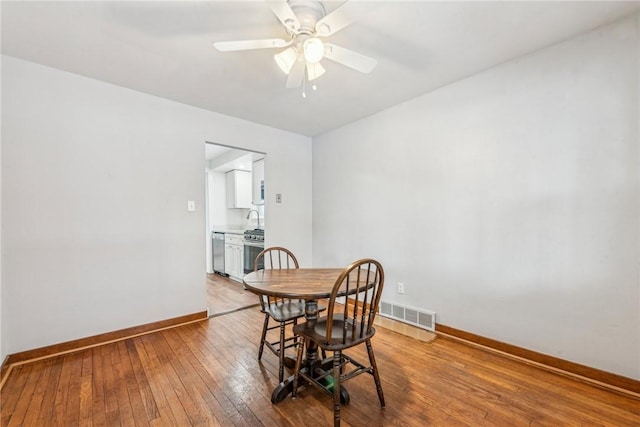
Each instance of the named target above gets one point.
<point>400,288</point>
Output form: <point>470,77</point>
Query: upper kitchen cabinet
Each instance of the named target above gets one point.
<point>238,189</point>
<point>257,171</point>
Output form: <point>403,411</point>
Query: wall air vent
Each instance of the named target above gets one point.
<point>424,319</point>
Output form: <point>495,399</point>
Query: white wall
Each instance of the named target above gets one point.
<point>507,202</point>
<point>2,334</point>
<point>95,181</point>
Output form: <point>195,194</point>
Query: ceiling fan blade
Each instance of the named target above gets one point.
<point>351,59</point>
<point>336,20</point>
<point>250,44</point>
<point>284,13</point>
<point>314,71</point>
<point>296,75</point>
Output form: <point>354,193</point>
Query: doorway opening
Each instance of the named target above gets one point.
<point>234,203</point>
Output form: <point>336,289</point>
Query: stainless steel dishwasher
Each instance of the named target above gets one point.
<point>217,244</point>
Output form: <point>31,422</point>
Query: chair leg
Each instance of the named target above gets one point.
<point>337,357</point>
<point>376,376</point>
<point>295,337</point>
<point>296,371</point>
<point>264,335</point>
<point>281,353</point>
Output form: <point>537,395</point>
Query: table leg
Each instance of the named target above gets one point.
<point>311,316</point>
<point>311,354</point>
<point>310,364</point>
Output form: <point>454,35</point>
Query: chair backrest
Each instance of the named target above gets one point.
<point>274,258</point>
<point>362,283</point>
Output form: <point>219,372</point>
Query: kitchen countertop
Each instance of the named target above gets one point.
<point>228,231</point>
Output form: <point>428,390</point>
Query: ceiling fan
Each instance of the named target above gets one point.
<point>307,23</point>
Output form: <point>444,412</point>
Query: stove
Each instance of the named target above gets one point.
<point>253,245</point>
<point>255,237</point>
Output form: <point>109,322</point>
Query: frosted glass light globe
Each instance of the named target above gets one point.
<point>313,50</point>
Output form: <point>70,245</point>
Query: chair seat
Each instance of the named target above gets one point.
<point>319,333</point>
<point>284,311</point>
<point>287,310</point>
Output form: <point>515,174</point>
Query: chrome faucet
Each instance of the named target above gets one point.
<point>257,213</point>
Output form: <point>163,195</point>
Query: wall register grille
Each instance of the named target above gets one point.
<point>424,319</point>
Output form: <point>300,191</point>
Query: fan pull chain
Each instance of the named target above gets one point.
<point>314,87</point>
<point>304,84</point>
<point>304,81</point>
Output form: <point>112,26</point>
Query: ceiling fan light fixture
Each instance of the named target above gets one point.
<point>286,59</point>
<point>313,50</point>
<point>314,71</point>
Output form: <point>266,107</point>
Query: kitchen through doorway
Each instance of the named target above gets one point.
<point>234,223</point>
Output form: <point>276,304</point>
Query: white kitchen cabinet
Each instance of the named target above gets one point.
<point>238,189</point>
<point>257,174</point>
<point>234,256</point>
<point>228,259</point>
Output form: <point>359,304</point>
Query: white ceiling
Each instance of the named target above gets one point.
<point>214,150</point>
<point>165,49</point>
<point>222,158</point>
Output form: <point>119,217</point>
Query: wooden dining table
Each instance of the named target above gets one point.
<point>310,284</point>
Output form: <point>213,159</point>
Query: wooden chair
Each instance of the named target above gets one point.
<point>284,311</point>
<point>345,326</point>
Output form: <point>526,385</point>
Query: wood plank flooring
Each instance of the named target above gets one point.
<point>206,374</point>
<point>225,295</point>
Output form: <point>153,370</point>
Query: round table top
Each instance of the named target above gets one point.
<point>305,283</point>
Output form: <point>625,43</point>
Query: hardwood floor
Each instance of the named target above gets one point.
<point>206,373</point>
<point>225,295</point>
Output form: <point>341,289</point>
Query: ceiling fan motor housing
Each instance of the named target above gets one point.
<point>308,14</point>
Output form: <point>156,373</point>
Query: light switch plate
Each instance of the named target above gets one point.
<point>191,205</point>
<point>278,198</point>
